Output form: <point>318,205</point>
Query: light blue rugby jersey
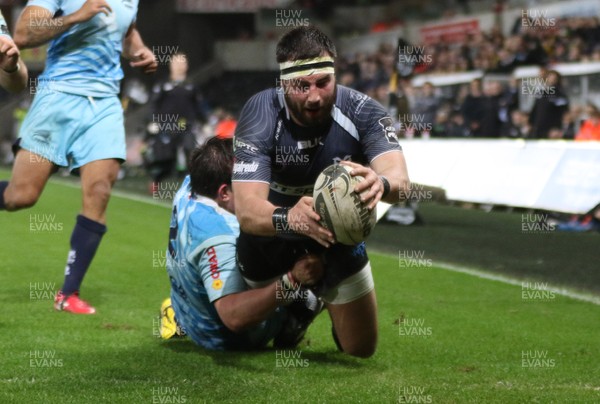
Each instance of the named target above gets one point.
<point>85,60</point>
<point>202,268</point>
<point>3,27</point>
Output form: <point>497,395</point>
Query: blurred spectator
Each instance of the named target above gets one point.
<point>369,75</point>
<point>491,123</point>
<point>472,108</point>
<point>399,104</point>
<point>176,105</point>
<point>510,97</point>
<point>590,128</point>
<point>442,123</point>
<point>582,223</point>
<point>425,107</point>
<point>517,126</point>
<point>550,105</point>
<point>382,95</point>
<point>457,126</point>
<point>568,125</point>
<point>555,133</point>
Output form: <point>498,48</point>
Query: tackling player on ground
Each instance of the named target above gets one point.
<point>285,137</point>
<point>211,301</point>
<point>76,119</point>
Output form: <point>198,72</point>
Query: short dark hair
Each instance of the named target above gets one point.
<point>210,166</point>
<point>304,42</point>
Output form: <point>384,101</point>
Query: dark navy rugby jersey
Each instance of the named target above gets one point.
<point>271,148</point>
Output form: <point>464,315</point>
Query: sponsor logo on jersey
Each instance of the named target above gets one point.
<point>304,190</point>
<point>214,263</point>
<point>4,29</point>
<point>389,130</point>
<point>243,145</point>
<point>217,284</point>
<point>278,129</point>
<point>337,159</point>
<point>309,144</point>
<point>242,167</point>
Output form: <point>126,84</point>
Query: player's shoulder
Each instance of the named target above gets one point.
<point>355,104</point>
<point>265,100</point>
<point>259,116</point>
<point>207,220</point>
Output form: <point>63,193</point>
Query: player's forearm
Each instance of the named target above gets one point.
<point>246,309</point>
<point>33,29</point>
<point>399,188</point>
<point>393,168</point>
<point>256,216</point>
<point>132,44</point>
<point>15,81</point>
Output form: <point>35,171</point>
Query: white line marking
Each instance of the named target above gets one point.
<point>559,290</point>
<point>119,194</point>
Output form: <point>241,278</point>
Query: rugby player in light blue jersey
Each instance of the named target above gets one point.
<point>76,119</point>
<point>13,72</point>
<point>212,303</point>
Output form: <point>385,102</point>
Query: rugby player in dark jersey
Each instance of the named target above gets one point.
<point>285,137</point>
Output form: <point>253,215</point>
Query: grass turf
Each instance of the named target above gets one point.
<point>479,331</point>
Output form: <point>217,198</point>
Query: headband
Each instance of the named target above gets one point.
<point>306,67</point>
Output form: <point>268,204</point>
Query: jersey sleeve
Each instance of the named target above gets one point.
<point>253,140</point>
<point>52,5</point>
<point>3,27</point>
<point>219,271</point>
<point>378,135</point>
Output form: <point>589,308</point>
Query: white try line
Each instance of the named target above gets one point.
<point>119,194</point>
<point>559,290</point>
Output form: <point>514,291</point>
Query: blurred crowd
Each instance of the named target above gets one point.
<point>488,108</point>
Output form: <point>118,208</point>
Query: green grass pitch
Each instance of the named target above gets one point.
<point>445,337</point>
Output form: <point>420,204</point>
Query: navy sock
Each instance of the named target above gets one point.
<point>85,240</point>
<point>3,186</point>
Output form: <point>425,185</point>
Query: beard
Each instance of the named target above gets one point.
<point>311,114</point>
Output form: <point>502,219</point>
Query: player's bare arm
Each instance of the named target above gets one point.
<point>137,53</point>
<point>35,28</point>
<point>392,166</point>
<point>13,72</point>
<point>245,309</point>
<point>255,214</point>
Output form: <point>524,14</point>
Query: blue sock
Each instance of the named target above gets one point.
<point>3,185</point>
<point>85,240</point>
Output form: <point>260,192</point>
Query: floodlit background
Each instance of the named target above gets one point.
<point>488,279</point>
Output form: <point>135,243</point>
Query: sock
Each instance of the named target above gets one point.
<point>3,186</point>
<point>85,240</point>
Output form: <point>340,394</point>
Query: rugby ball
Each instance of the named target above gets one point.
<point>340,208</point>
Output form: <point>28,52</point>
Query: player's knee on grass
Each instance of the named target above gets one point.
<point>364,349</point>
<point>353,310</point>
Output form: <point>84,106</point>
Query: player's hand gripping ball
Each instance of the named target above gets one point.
<point>340,208</point>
